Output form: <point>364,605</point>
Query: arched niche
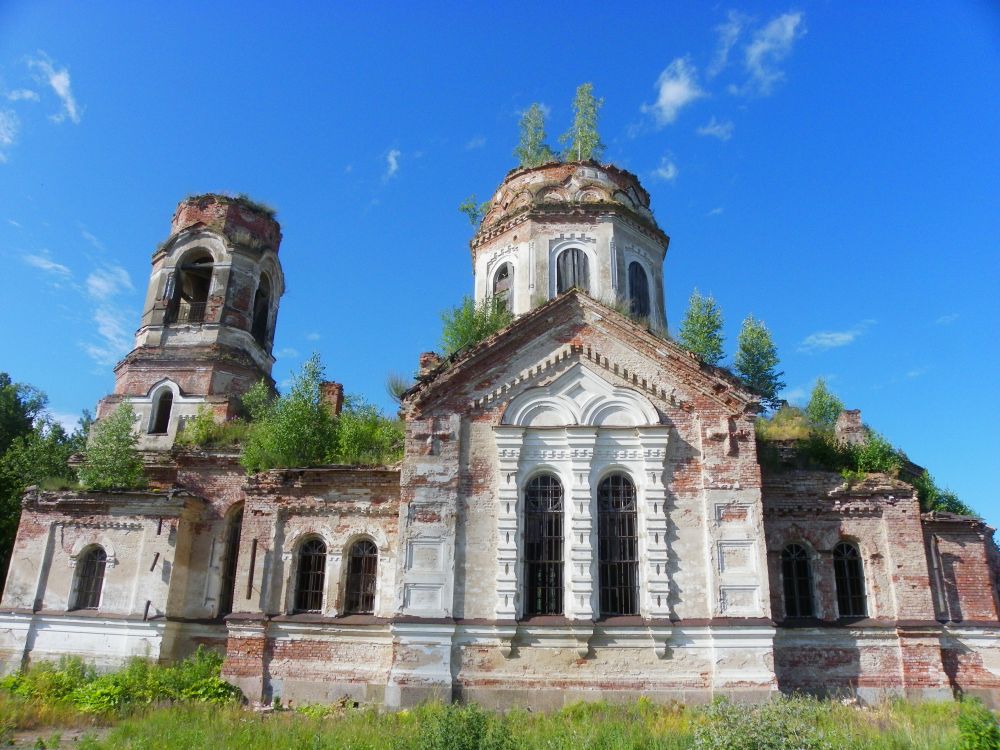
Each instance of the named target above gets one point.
<point>580,397</point>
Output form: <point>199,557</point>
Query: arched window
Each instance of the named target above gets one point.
<point>261,310</point>
<point>543,546</point>
<point>850,577</point>
<point>362,574</point>
<point>572,270</point>
<point>618,540</point>
<point>234,526</point>
<point>638,289</point>
<point>159,424</point>
<point>90,578</point>
<point>502,281</point>
<point>310,576</point>
<point>188,290</point>
<point>797,578</point>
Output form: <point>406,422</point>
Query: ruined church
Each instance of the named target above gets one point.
<point>581,511</point>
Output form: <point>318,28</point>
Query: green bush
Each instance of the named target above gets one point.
<point>781,724</point>
<point>365,436</point>
<point>110,460</point>
<point>139,683</point>
<point>296,429</point>
<point>204,432</point>
<point>469,323</point>
<point>977,726</point>
<point>466,727</point>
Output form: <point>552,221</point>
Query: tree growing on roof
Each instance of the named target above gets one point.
<point>757,362</point>
<point>701,329</point>
<point>532,151</point>
<point>583,141</point>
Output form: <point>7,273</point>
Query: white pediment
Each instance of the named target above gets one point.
<point>580,397</point>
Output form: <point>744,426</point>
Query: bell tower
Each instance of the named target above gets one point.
<point>574,224</point>
<point>208,322</point>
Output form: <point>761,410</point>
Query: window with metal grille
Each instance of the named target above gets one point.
<point>161,413</point>
<point>501,285</point>
<point>572,270</point>
<point>90,578</point>
<point>228,585</point>
<point>850,577</point>
<point>543,546</point>
<point>362,574</point>
<point>311,576</point>
<point>638,288</point>
<point>618,540</point>
<point>797,578</point>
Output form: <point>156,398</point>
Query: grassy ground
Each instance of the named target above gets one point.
<point>146,706</point>
<point>790,724</point>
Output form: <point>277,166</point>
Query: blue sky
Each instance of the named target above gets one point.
<point>831,168</point>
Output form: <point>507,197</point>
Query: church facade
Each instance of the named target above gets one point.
<point>581,511</point>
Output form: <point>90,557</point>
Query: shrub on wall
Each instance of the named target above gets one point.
<point>110,460</point>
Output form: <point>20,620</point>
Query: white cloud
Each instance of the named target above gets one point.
<point>92,240</point>
<point>59,80</point>
<point>769,46</point>
<point>721,130</point>
<point>114,341</point>
<point>14,223</point>
<point>476,142</point>
<point>667,171</point>
<point>823,340</point>
<point>46,264</point>
<point>25,95</point>
<point>728,34</point>
<point>715,211</point>
<point>392,163</point>
<point>947,320</point>
<point>9,126</point>
<point>676,87</point>
<point>106,282</point>
<point>916,372</point>
<point>286,353</point>
<point>313,336</point>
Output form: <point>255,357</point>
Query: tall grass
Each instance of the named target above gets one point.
<point>802,724</point>
<point>188,706</point>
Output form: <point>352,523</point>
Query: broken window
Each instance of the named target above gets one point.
<point>362,575</point>
<point>543,546</point>
<point>188,291</point>
<point>261,310</point>
<point>619,546</point>
<point>234,526</point>
<point>90,578</point>
<point>572,270</point>
<point>162,406</point>
<point>638,288</point>
<point>502,281</point>
<point>311,576</point>
<point>796,575</point>
<point>849,574</point>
